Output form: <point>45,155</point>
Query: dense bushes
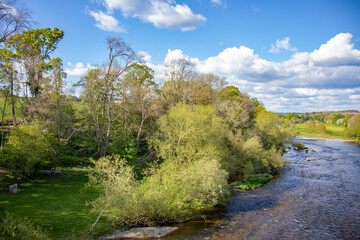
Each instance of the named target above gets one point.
<point>198,152</point>
<point>25,148</point>
<point>173,192</point>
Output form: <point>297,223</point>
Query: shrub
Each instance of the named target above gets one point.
<point>254,181</point>
<point>15,228</point>
<point>173,192</point>
<point>25,148</point>
<point>299,146</point>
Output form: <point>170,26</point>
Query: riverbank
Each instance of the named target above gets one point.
<point>329,139</point>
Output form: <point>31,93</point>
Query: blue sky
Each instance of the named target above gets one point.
<point>292,55</point>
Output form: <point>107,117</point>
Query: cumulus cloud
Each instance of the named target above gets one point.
<point>77,70</point>
<point>337,51</point>
<point>106,22</point>
<point>309,81</point>
<point>282,44</point>
<point>162,14</point>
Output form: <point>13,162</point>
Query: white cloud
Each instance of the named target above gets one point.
<point>282,44</point>
<point>162,14</point>
<point>337,51</point>
<point>298,84</point>
<point>77,70</point>
<point>357,97</point>
<point>145,56</point>
<point>106,22</point>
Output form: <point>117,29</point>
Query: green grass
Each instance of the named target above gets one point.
<point>332,131</point>
<point>18,110</point>
<point>56,203</point>
<point>252,182</point>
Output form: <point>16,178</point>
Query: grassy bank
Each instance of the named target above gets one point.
<point>332,131</point>
<point>58,204</point>
<point>252,182</point>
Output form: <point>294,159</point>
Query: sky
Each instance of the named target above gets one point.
<point>293,56</point>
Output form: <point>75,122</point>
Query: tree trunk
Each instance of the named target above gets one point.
<point>2,124</point>
<point>13,102</point>
<point>139,134</point>
<point>108,131</point>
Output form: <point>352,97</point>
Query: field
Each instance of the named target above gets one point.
<point>58,204</point>
<point>332,131</point>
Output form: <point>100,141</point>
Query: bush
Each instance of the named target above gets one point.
<point>14,228</point>
<point>177,192</point>
<point>254,181</point>
<point>25,149</point>
<point>299,146</point>
<point>173,192</point>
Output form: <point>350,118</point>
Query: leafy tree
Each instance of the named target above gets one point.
<point>32,49</point>
<point>269,126</point>
<point>236,108</point>
<point>189,132</point>
<point>140,102</point>
<point>116,178</point>
<point>102,88</point>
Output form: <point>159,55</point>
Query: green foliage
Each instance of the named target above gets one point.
<point>118,183</point>
<point>173,192</point>
<point>25,148</point>
<point>230,92</point>
<point>354,129</point>
<point>299,146</point>
<point>16,228</point>
<point>252,182</point>
<point>336,117</point>
<point>293,115</point>
<point>177,192</point>
<point>269,125</point>
<point>190,132</point>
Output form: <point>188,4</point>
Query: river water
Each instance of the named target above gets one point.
<point>316,199</point>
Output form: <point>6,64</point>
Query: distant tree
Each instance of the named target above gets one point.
<point>236,108</point>
<point>178,73</point>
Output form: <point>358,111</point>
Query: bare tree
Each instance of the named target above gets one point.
<point>178,73</point>
<point>12,20</point>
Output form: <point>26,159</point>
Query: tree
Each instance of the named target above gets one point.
<point>190,132</point>
<point>102,89</point>
<point>117,181</point>
<point>139,96</point>
<point>178,73</point>
<point>236,108</point>
<point>12,20</point>
<point>60,115</point>
<point>32,49</point>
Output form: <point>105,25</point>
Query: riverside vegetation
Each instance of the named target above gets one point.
<point>340,125</point>
<point>132,151</point>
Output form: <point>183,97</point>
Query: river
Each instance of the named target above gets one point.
<point>316,199</point>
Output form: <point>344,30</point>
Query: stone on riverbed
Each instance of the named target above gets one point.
<point>140,232</point>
